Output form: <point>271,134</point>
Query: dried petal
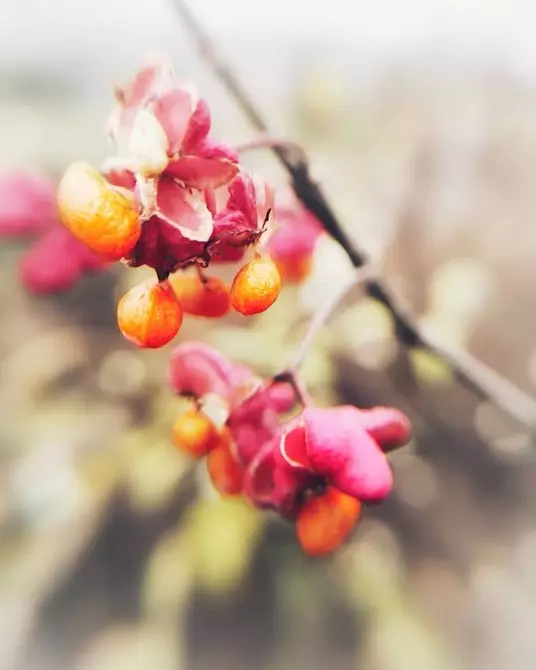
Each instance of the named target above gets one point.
<point>163,247</point>
<point>147,149</point>
<point>202,173</point>
<point>174,111</point>
<point>198,128</point>
<point>184,209</point>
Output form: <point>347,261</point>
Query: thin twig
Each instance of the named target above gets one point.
<point>291,374</point>
<point>473,374</point>
<point>263,141</point>
<point>322,314</point>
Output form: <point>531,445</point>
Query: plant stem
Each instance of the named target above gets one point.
<point>473,374</point>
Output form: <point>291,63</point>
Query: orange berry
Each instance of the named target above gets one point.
<point>194,433</point>
<point>105,218</point>
<point>224,470</point>
<point>149,315</point>
<point>256,286</point>
<point>201,297</point>
<point>295,269</point>
<point>326,520</point>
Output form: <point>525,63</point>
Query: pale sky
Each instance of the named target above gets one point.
<point>33,29</point>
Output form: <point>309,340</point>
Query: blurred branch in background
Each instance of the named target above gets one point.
<point>472,373</point>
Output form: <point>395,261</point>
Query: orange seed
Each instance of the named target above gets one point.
<point>224,470</point>
<point>149,315</point>
<point>201,297</point>
<point>295,270</point>
<point>325,521</point>
<point>105,218</point>
<point>194,433</point>
<point>256,286</point>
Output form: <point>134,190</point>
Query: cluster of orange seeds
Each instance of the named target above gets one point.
<point>194,434</point>
<point>107,219</point>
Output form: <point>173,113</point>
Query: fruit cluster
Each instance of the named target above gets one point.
<point>172,197</point>
<point>317,468</point>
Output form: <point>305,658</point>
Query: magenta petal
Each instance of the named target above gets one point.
<point>340,449</point>
<point>27,204</point>
<point>197,369</point>
<point>242,199</point>
<point>387,425</point>
<point>202,173</point>
<point>296,236</point>
<point>173,110</point>
<point>293,446</point>
<point>49,266</point>
<point>249,437</point>
<point>281,396</point>
<point>184,209</point>
<point>271,484</point>
<point>198,128</point>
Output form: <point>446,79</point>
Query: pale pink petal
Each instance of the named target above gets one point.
<point>209,148</point>
<point>202,173</point>
<point>146,85</point>
<point>198,128</point>
<point>120,177</point>
<point>184,209</point>
<point>340,449</point>
<point>173,110</point>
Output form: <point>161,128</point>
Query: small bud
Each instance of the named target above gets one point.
<point>150,315</point>
<point>103,217</point>
<point>194,433</point>
<point>325,521</point>
<point>208,296</point>
<point>256,286</point>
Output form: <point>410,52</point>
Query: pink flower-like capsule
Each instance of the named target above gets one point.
<point>321,446</point>
<point>161,129</point>
<point>334,444</point>
<point>293,243</point>
<point>56,262</point>
<point>27,204</point>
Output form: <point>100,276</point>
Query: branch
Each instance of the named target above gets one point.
<point>473,374</point>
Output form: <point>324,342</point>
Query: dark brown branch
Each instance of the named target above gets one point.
<point>473,374</point>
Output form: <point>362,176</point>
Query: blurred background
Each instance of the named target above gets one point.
<point>419,118</point>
